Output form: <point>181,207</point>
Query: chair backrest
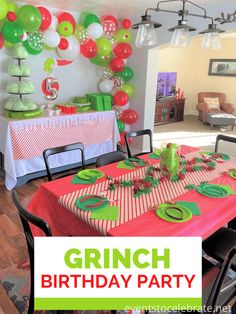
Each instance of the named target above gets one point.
<point>220,96</point>
<point>109,158</point>
<point>133,134</point>
<point>27,218</point>
<point>225,138</point>
<point>61,149</point>
<point>216,290</point>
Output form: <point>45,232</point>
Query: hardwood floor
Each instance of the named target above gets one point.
<point>13,249</point>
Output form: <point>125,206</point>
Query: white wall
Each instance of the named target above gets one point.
<point>77,78</point>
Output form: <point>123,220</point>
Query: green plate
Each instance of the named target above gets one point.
<point>187,214</point>
<point>83,205</point>
<point>89,173</point>
<point>219,155</point>
<point>212,190</point>
<point>232,173</point>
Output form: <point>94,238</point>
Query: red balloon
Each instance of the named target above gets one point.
<point>66,17</point>
<point>120,98</point>
<point>11,16</point>
<point>63,45</point>
<point>89,49</point>
<point>1,40</point>
<point>117,64</point>
<point>129,116</point>
<point>122,139</point>
<point>46,18</point>
<point>123,50</point>
<point>126,23</point>
<point>110,18</point>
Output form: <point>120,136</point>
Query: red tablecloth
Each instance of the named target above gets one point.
<point>215,212</point>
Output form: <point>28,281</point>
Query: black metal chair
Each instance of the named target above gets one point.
<point>109,158</point>
<point>133,134</point>
<point>27,218</point>
<point>229,290</point>
<point>225,138</point>
<point>231,139</point>
<point>62,149</point>
<point>219,244</point>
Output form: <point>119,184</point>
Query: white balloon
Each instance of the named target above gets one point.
<point>25,36</point>
<point>54,23</point>
<point>95,30</point>
<point>72,51</point>
<point>51,38</point>
<point>125,106</point>
<point>127,128</point>
<point>105,86</point>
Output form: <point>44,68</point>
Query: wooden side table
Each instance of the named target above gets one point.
<point>169,110</point>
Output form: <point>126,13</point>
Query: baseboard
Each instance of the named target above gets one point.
<point>191,112</point>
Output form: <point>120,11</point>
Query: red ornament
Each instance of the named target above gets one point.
<point>1,40</point>
<point>120,98</point>
<point>129,116</point>
<point>126,23</point>
<point>46,18</point>
<point>110,18</point>
<point>89,49</point>
<point>123,50</point>
<point>11,16</point>
<point>66,17</point>
<point>117,64</point>
<point>63,45</point>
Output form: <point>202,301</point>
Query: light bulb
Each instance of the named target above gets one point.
<point>146,36</point>
<point>181,38</point>
<point>211,40</point>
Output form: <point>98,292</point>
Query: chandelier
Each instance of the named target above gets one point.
<point>147,35</point>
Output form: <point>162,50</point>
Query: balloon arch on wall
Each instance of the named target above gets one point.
<point>105,42</point>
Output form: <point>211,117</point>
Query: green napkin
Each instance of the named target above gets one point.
<point>106,213</point>
<point>77,180</point>
<point>123,165</point>
<point>192,206</point>
<point>154,156</point>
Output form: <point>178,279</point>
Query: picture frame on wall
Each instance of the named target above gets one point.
<point>222,67</point>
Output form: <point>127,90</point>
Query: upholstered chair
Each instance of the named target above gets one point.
<point>212,102</point>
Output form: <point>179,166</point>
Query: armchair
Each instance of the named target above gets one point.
<point>203,108</point>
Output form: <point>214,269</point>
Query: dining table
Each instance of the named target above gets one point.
<point>56,201</point>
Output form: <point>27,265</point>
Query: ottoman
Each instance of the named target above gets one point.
<point>218,118</point>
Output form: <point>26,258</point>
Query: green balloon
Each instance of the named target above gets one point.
<point>121,125</point>
<point>7,44</point>
<point>29,18</point>
<point>34,43</point>
<point>3,9</point>
<point>12,32</point>
<point>127,74</point>
<point>123,36</point>
<point>87,18</point>
<point>128,88</point>
<point>104,46</point>
<point>11,6</point>
<point>102,61</point>
<point>65,29</point>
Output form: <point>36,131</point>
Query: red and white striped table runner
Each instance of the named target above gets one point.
<point>131,207</point>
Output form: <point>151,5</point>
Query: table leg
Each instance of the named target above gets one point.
<point>232,127</point>
<point>211,126</point>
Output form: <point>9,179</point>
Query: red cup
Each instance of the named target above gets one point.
<point>67,109</point>
<point>73,109</point>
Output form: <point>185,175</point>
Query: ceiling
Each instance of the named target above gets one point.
<point>117,7</point>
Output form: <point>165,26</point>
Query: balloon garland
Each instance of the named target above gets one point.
<point>106,42</point>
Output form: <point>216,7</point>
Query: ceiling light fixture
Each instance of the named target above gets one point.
<point>147,36</point>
